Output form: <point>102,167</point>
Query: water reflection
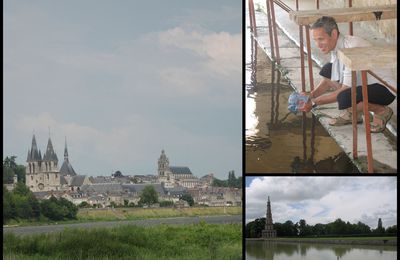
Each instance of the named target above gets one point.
<point>270,250</point>
<point>277,141</point>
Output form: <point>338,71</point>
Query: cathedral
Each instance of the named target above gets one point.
<point>43,174</point>
<point>173,176</point>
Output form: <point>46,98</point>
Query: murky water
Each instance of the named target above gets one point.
<point>268,250</point>
<point>276,141</point>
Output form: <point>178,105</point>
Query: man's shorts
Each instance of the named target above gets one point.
<point>377,93</point>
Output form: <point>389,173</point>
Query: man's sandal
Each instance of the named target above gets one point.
<point>340,120</point>
<point>385,117</point>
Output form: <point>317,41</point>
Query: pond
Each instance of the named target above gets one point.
<point>269,250</point>
<point>276,141</point>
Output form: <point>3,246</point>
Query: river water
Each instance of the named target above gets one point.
<point>268,250</point>
<point>276,142</point>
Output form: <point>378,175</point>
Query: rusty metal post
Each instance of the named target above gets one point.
<point>317,3</point>
<point>310,68</point>
<point>250,16</point>
<point>367,124</point>
<point>297,5</point>
<point>303,83</point>
<point>271,40</point>
<point>350,23</point>
<point>275,32</point>
<point>354,112</point>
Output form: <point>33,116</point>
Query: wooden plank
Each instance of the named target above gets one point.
<point>369,58</point>
<point>350,14</point>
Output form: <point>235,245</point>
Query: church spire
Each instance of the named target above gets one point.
<point>50,155</point>
<point>34,154</point>
<point>65,151</point>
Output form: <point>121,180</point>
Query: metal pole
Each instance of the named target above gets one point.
<point>275,32</point>
<point>310,69</point>
<point>350,23</point>
<point>271,40</point>
<point>317,2</point>
<point>367,124</point>
<point>297,5</point>
<point>250,16</point>
<point>354,112</point>
<point>303,83</point>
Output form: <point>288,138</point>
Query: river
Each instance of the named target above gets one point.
<point>268,250</point>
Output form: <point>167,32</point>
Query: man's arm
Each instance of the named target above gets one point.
<point>324,99</point>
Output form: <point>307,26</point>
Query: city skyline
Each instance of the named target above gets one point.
<point>323,199</point>
<point>124,81</point>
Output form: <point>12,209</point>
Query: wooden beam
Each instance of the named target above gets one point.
<point>369,58</point>
<point>341,15</point>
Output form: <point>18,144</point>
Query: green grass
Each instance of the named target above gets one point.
<point>92,215</point>
<point>196,241</point>
<point>141,213</point>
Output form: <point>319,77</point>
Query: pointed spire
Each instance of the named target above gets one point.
<point>65,151</point>
<point>34,155</point>
<point>50,155</point>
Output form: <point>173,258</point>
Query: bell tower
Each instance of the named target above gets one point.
<point>163,164</point>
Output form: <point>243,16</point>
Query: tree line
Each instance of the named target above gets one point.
<point>232,181</point>
<point>21,204</point>
<point>302,229</point>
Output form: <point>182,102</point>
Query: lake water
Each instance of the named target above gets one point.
<point>268,250</point>
<point>276,142</point>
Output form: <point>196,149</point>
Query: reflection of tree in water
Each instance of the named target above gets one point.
<point>270,250</point>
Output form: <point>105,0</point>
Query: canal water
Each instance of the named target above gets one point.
<point>268,250</point>
<point>276,142</point>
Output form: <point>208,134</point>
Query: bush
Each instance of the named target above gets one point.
<point>166,203</point>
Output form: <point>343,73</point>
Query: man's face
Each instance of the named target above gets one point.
<point>323,41</point>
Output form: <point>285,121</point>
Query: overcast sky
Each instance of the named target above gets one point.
<point>123,80</point>
<point>323,199</point>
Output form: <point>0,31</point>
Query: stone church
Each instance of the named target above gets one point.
<point>43,174</point>
<point>173,176</point>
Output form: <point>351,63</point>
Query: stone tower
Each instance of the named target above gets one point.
<point>163,164</point>
<point>269,231</point>
<point>42,173</point>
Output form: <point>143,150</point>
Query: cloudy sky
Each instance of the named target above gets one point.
<point>323,199</point>
<point>123,80</point>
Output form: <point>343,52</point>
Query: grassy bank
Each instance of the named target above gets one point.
<point>108,214</point>
<point>141,213</point>
<point>197,241</point>
<point>391,241</point>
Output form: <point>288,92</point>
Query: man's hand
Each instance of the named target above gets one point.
<point>307,107</point>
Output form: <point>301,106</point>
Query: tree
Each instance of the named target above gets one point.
<point>21,189</point>
<point>148,196</point>
<point>188,198</point>
<point>391,230</point>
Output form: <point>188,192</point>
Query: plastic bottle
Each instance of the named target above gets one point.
<point>297,101</point>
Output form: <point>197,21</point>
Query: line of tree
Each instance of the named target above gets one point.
<point>21,204</point>
<point>302,229</point>
<point>232,181</point>
<point>11,168</point>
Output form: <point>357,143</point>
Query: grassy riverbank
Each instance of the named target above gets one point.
<point>335,240</point>
<point>141,213</point>
<point>197,241</point>
<point>108,214</point>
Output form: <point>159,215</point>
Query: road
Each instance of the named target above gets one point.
<point>30,230</point>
